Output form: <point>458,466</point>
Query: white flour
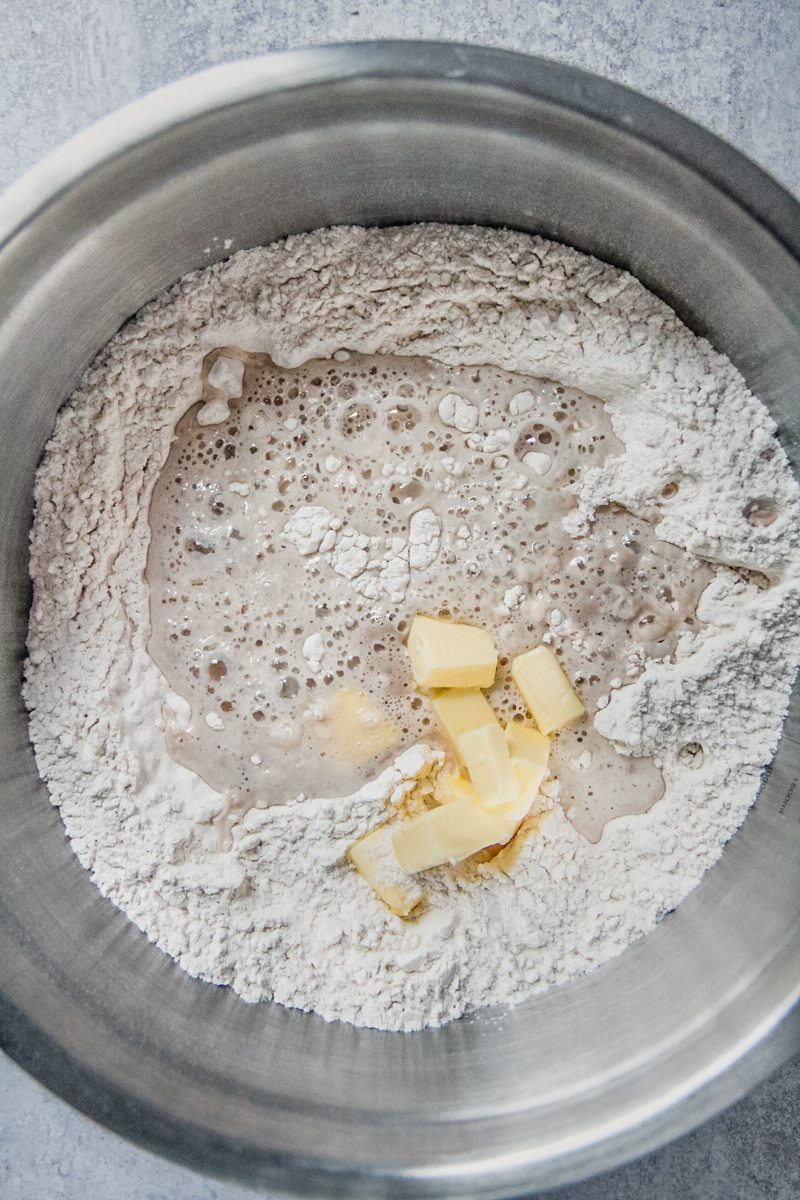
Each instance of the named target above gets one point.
<point>372,568</point>
<point>282,915</point>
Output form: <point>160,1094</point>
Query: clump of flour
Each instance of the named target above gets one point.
<point>282,915</point>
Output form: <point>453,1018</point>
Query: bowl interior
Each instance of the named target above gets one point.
<point>584,1075</point>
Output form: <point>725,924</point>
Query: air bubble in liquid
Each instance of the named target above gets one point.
<point>761,511</point>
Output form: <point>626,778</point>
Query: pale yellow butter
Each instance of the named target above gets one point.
<point>461,710</point>
<point>529,775</point>
<point>488,761</point>
<point>506,766</point>
<point>374,859</point>
<point>452,785</point>
<point>529,778</point>
<point>357,729</point>
<point>450,654</point>
<point>526,742</point>
<point>547,691</point>
<point>446,835</point>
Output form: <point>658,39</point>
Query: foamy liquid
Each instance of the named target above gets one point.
<point>233,601</point>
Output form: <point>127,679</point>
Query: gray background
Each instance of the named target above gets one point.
<point>733,65</point>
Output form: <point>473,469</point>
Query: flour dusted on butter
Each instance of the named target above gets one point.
<point>375,859</point>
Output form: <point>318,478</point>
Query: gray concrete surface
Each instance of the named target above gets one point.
<point>733,65</point>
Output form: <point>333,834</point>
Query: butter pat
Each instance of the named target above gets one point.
<point>448,654</point>
<point>546,689</point>
<point>488,761</point>
<point>452,785</point>
<point>526,742</point>
<point>529,779</point>
<point>446,835</point>
<point>374,859</point>
<point>358,729</point>
<point>461,710</point>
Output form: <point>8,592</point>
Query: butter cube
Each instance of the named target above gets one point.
<point>358,730</point>
<point>529,778</point>
<point>446,835</point>
<point>450,654</point>
<point>374,858</point>
<point>452,785</point>
<point>526,742</point>
<point>488,761</point>
<point>460,710</point>
<point>546,689</point>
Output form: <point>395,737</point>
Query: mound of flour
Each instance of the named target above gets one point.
<point>282,915</point>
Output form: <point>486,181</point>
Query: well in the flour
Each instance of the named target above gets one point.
<point>295,534</point>
<point>663,574</point>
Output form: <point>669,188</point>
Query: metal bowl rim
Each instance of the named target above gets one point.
<point>141,121</point>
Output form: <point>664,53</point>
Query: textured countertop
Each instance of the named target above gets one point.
<point>734,66</point>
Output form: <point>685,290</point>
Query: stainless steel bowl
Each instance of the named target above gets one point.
<point>498,1103</point>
